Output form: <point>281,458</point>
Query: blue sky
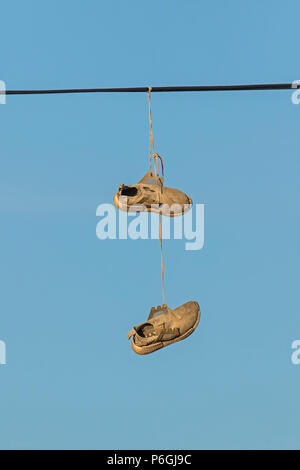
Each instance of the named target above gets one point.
<point>68,299</point>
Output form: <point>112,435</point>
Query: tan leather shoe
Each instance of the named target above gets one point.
<point>165,326</point>
<point>150,195</point>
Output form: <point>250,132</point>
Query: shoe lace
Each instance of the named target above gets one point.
<point>154,157</point>
<point>156,160</point>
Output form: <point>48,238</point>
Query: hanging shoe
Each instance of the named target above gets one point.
<point>150,195</point>
<point>165,326</point>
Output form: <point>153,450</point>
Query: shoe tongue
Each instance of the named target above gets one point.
<point>156,314</point>
<point>149,178</point>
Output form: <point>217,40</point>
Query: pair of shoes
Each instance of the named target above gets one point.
<point>165,326</point>
<point>149,195</point>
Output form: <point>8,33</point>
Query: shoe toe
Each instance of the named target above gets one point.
<point>191,314</point>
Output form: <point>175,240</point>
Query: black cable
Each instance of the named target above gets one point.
<point>270,86</point>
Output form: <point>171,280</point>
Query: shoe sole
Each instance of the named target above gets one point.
<point>151,209</point>
<point>142,350</point>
